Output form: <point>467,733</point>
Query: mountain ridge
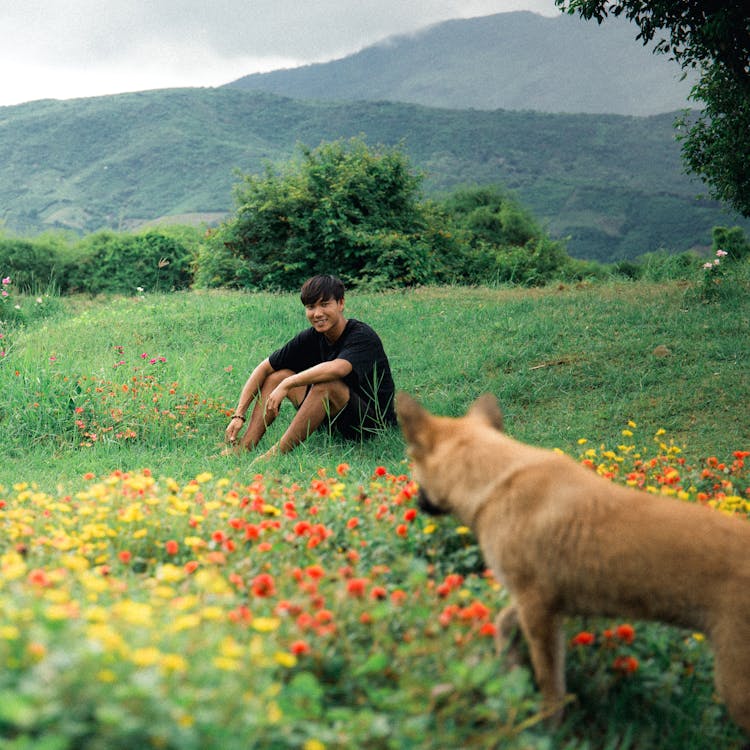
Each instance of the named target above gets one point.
<point>518,60</point>
<point>613,184</point>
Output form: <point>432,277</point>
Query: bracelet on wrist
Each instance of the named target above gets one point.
<point>238,416</point>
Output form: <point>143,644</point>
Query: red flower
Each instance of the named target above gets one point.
<point>356,586</point>
<point>378,592</point>
<point>402,529</point>
<point>172,547</point>
<point>625,632</point>
<point>410,514</point>
<point>263,585</point>
<point>352,523</point>
<point>125,556</point>
<point>299,648</point>
<point>380,471</point>
<point>625,664</point>
<point>38,577</point>
<point>584,638</point>
<point>488,629</point>
<point>315,571</point>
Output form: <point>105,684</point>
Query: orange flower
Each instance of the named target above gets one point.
<point>299,648</point>
<point>171,547</point>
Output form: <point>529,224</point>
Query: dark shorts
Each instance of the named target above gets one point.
<point>359,419</point>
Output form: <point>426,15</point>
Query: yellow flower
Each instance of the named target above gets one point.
<point>266,624</point>
<point>169,573</point>
<point>285,659</point>
<point>174,663</point>
<point>463,530</point>
<point>429,528</point>
<point>313,745</point>
<point>204,477</point>
<point>274,713</point>
<point>226,664</point>
<point>134,613</point>
<point>145,657</point>
<point>106,675</point>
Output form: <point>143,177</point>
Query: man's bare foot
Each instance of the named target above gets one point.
<point>270,453</point>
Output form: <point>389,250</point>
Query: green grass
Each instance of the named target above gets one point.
<point>567,364</point>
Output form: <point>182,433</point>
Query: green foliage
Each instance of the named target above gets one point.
<point>341,208</point>
<point>733,241</point>
<point>122,263</point>
<point>615,185</point>
<point>33,265</point>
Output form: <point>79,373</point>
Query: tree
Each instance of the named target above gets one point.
<point>342,208</point>
<point>713,37</point>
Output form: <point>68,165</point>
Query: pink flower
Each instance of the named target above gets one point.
<point>721,253</point>
<point>6,280</point>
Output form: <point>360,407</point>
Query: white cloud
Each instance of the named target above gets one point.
<point>89,48</point>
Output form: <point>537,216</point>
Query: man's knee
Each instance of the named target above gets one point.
<point>334,394</point>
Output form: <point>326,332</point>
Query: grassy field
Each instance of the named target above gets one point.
<point>157,594</point>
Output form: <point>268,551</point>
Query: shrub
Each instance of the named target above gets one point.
<point>341,208</point>
<point>732,241</point>
<point>123,263</point>
<point>34,265</point>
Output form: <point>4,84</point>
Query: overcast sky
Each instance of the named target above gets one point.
<point>63,49</point>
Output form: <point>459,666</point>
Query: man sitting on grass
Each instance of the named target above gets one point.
<point>335,373</point>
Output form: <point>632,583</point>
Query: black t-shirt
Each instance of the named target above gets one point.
<point>359,345</point>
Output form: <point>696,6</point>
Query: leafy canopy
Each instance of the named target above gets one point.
<point>715,38</point>
<point>341,208</point>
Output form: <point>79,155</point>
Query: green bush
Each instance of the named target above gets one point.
<point>123,263</point>
<point>34,266</point>
<point>342,208</point>
<point>733,241</point>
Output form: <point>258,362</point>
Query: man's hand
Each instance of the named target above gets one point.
<point>233,429</point>
<point>275,399</point>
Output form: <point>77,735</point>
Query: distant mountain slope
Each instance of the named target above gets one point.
<point>613,184</point>
<point>517,61</point>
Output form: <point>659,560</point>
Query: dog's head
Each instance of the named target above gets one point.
<point>441,449</point>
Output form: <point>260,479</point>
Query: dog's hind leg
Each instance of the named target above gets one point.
<point>732,676</point>
<point>508,637</point>
<point>544,635</point>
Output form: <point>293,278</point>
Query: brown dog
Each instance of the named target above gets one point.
<point>565,541</point>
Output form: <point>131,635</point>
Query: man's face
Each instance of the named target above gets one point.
<point>326,316</point>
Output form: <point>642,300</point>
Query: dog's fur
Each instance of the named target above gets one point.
<point>565,541</point>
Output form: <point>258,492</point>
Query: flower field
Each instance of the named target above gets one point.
<point>141,612</point>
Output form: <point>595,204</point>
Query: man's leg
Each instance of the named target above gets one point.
<point>322,400</point>
<point>259,420</point>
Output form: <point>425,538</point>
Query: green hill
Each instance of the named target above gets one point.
<point>613,183</point>
<point>520,61</point>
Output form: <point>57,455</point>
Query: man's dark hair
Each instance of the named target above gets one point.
<point>323,287</point>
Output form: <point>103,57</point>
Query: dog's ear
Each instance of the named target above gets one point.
<point>414,421</point>
<point>487,409</point>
